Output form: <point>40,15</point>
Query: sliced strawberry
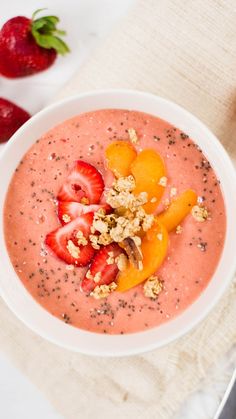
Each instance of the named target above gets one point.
<point>100,264</point>
<point>68,211</point>
<point>84,183</point>
<point>58,240</point>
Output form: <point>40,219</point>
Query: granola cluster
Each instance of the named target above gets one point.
<point>72,248</point>
<point>133,135</point>
<point>127,219</point>
<point>199,213</point>
<point>102,291</point>
<point>152,287</point>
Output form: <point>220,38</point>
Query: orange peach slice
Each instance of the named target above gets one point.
<point>148,170</point>
<point>154,248</point>
<point>119,155</point>
<point>178,209</point>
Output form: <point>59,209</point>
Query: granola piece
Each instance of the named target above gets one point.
<point>179,229</point>
<point>200,214</point>
<point>104,239</point>
<point>124,228</point>
<point>133,135</point>
<point>152,287</point>
<point>173,192</point>
<point>122,262</point>
<point>73,249</point>
<point>147,222</point>
<point>84,201</point>
<point>66,218</point>
<point>125,199</point>
<point>94,241</point>
<point>82,241</point>
<point>163,181</point>
<point>100,226</point>
<point>141,199</point>
<point>124,212</point>
<point>122,199</point>
<point>124,184</point>
<point>102,291</point>
<point>110,260</point>
<point>116,233</point>
<point>89,275</point>
<point>97,277</point>
<point>100,213</point>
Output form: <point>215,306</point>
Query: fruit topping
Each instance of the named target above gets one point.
<point>70,243</point>
<point>178,209</point>
<point>119,156</point>
<point>68,211</point>
<point>149,173</point>
<point>84,185</point>
<point>103,269</point>
<point>154,248</point>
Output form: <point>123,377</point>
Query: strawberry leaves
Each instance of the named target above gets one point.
<point>46,34</point>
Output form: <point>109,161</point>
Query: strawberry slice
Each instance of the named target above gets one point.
<point>68,211</point>
<point>100,266</point>
<point>84,184</point>
<point>65,242</point>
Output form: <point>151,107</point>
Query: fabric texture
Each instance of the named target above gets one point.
<point>184,50</point>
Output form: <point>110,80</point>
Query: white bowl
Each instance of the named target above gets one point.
<point>49,327</point>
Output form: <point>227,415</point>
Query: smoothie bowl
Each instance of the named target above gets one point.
<point>117,222</point>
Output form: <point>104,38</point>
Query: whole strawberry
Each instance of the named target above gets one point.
<point>11,118</point>
<point>28,46</point>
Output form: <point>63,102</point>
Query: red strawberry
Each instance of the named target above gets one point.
<point>75,209</point>
<point>99,264</point>
<point>11,118</point>
<point>28,46</point>
<point>84,184</point>
<point>59,240</point>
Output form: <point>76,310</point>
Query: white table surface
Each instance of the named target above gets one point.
<point>87,22</point>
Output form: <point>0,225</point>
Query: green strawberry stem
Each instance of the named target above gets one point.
<point>45,33</point>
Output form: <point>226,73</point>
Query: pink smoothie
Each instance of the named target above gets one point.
<point>31,213</point>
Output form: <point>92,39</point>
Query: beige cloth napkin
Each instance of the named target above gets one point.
<point>184,50</point>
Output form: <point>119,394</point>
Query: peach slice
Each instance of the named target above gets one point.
<point>154,248</point>
<point>178,209</point>
<point>148,168</point>
<point>119,155</point>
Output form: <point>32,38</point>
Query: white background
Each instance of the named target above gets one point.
<point>87,22</point>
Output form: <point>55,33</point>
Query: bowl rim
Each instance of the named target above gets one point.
<point>37,318</point>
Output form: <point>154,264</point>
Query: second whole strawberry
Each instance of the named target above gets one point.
<point>11,118</point>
